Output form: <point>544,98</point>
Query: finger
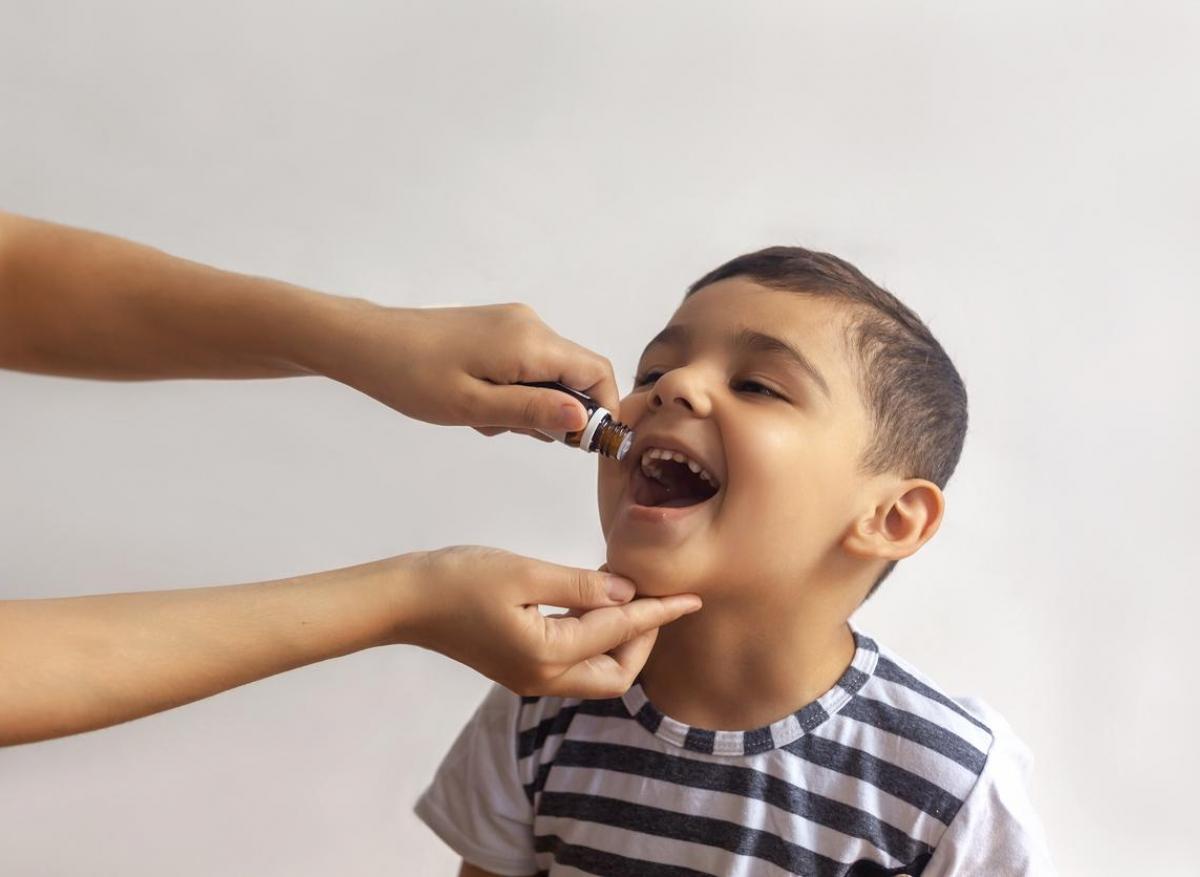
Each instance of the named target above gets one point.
<point>512,406</point>
<point>573,588</point>
<point>588,372</point>
<point>632,655</point>
<point>605,675</point>
<point>571,640</point>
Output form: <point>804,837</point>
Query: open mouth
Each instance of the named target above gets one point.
<point>660,482</point>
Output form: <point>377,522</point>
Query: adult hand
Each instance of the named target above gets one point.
<point>479,606</point>
<point>461,365</point>
<point>78,663</point>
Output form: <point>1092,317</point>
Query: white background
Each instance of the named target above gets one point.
<point>1022,174</point>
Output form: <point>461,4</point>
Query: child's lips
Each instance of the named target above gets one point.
<point>660,514</point>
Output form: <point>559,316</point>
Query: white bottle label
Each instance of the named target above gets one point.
<point>589,429</point>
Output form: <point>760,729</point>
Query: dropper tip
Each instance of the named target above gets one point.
<point>626,444</point>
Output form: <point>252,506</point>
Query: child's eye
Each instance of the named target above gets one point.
<point>757,389</point>
<point>766,391</point>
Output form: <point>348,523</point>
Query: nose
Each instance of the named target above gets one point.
<point>681,386</point>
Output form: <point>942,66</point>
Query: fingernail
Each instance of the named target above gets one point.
<point>693,604</point>
<point>620,589</point>
<point>568,417</point>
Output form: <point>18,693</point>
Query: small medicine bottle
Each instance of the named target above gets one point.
<point>602,433</point>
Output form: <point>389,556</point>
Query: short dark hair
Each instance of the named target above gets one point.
<point>912,391</point>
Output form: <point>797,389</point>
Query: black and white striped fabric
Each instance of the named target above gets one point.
<point>883,774</point>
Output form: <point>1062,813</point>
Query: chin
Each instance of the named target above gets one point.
<point>657,573</point>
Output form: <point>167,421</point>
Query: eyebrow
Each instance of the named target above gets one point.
<point>749,340</point>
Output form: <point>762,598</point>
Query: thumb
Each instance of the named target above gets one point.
<point>512,406</point>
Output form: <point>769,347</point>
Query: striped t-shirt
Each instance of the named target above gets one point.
<point>882,774</point>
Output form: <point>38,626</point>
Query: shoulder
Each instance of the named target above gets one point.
<point>900,698</point>
<point>949,723</point>
<point>973,767</point>
<point>534,725</point>
<point>545,725</point>
<point>542,722</point>
<point>931,747</point>
<point>539,718</point>
<point>919,691</point>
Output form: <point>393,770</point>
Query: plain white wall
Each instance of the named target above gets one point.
<point>1023,174</point>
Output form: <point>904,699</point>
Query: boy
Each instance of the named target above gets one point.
<point>795,426</point>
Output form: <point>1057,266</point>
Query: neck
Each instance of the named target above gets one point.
<point>732,668</point>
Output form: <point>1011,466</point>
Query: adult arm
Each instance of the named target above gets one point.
<point>80,663</point>
<point>84,304</point>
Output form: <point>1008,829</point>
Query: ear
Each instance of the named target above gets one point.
<point>903,520</point>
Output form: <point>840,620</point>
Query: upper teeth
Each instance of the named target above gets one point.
<point>650,467</point>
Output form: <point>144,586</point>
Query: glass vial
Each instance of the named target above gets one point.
<point>602,433</point>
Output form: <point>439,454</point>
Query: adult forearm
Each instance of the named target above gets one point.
<point>75,302</point>
<point>75,664</point>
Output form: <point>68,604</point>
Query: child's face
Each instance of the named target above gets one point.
<point>784,465</point>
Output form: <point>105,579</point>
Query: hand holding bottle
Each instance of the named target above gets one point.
<point>462,366</point>
<point>92,305</point>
